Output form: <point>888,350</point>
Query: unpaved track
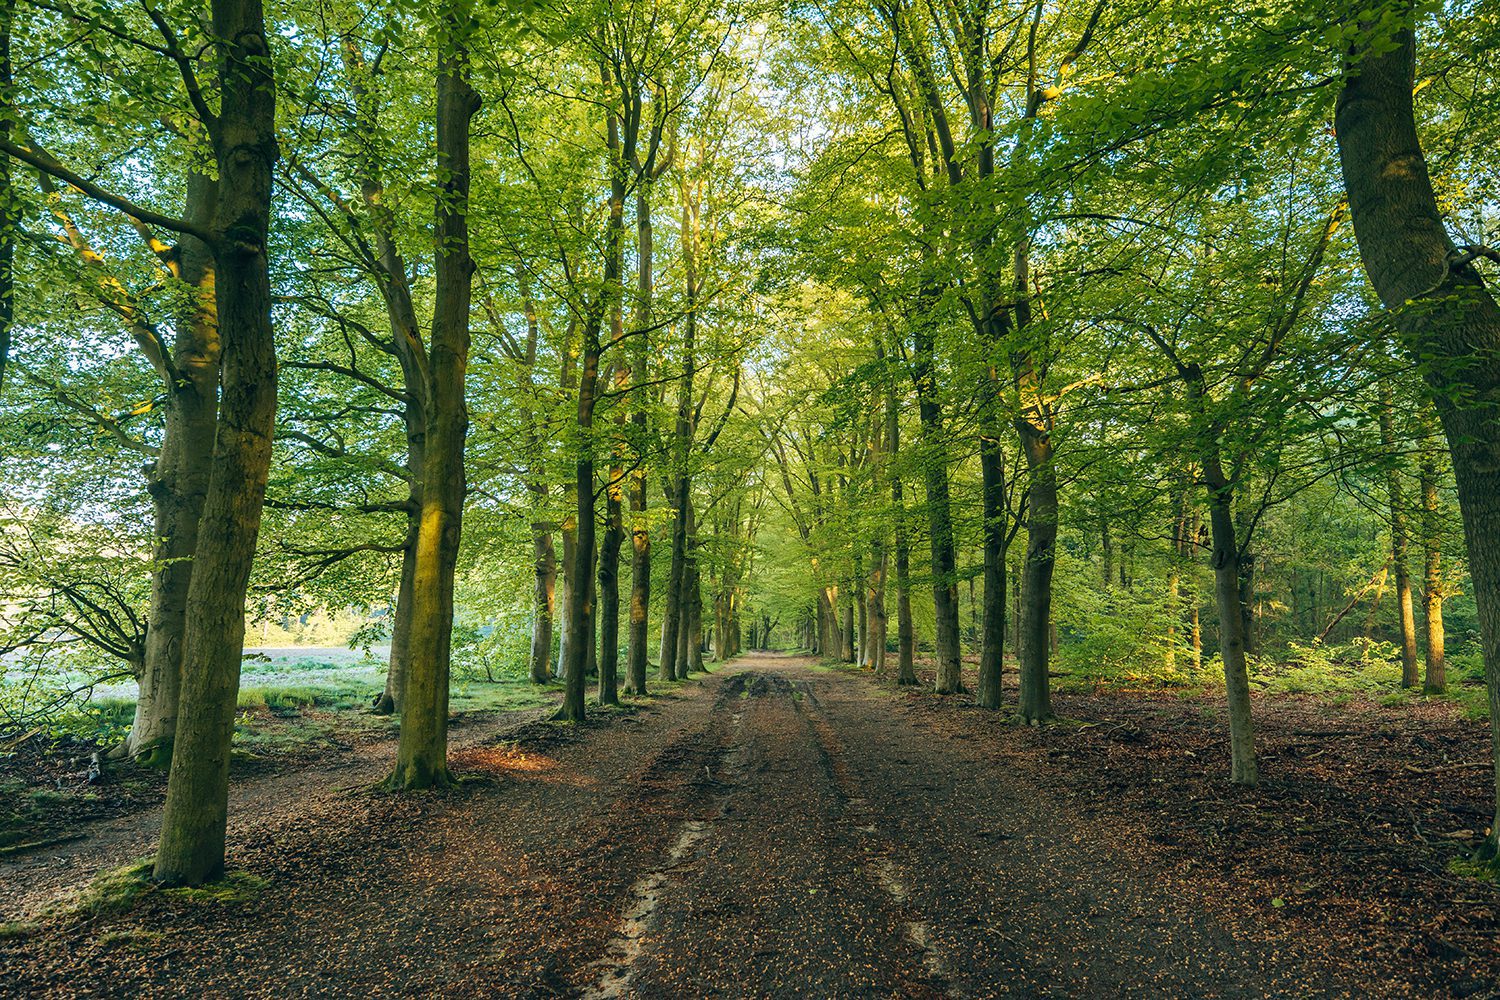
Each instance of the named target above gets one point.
<point>775,831</point>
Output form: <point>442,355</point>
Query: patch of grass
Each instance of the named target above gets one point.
<point>130,937</point>
<point>112,891</point>
<point>233,889</point>
<point>1484,871</point>
<point>294,699</point>
<point>507,695</point>
<point>14,930</point>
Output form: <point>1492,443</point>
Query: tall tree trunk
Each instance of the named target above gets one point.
<point>1436,680</point>
<point>178,482</point>
<point>1035,623</point>
<point>939,515</point>
<point>580,614</point>
<point>859,594</point>
<point>906,670</point>
<point>422,753</point>
<point>609,599</point>
<point>1244,770</point>
<point>393,282</point>
<point>671,668</point>
<point>1446,315</point>
<point>544,598</point>
<point>1396,501</point>
<point>992,632</point>
<point>191,850</point>
<point>565,601</point>
<point>10,210</point>
<point>1033,422</point>
<point>608,582</point>
<point>849,649</point>
<point>640,529</point>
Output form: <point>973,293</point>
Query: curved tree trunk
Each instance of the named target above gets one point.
<point>1447,317</point>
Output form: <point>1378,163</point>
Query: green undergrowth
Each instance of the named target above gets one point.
<point>14,930</point>
<point>1338,675</point>
<point>502,695</point>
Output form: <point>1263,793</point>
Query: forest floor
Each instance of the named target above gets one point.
<point>779,828</point>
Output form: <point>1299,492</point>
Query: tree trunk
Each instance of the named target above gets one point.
<point>1436,680</point>
<point>422,753</point>
<point>609,599</point>
<point>178,482</point>
<point>1244,770</point>
<point>1036,574</point>
<point>10,214</point>
<point>859,594</point>
<point>393,697</point>
<point>849,649</point>
<point>1446,315</point>
<point>191,850</point>
<point>565,601</point>
<point>939,521</point>
<point>992,632</point>
<point>906,671</point>
<point>640,529</point>
<point>1396,501</point>
<point>544,601</point>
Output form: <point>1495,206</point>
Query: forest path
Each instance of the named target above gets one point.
<point>774,829</point>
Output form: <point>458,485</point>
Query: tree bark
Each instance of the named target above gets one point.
<point>1447,317</point>
<point>422,752</point>
<point>1436,679</point>
<point>640,528</point>
<point>544,601</point>
<point>992,632</point>
<point>939,515</point>
<point>178,482</point>
<point>1244,769</point>
<point>906,671</point>
<point>1036,573</point>
<point>191,850</point>
<point>1400,539</point>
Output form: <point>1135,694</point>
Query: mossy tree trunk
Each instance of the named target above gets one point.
<point>243,136</point>
<point>422,753</point>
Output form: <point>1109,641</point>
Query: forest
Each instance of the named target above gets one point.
<point>730,497</point>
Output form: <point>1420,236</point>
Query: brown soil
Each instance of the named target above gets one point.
<point>779,830</point>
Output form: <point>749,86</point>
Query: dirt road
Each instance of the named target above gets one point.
<point>775,831</point>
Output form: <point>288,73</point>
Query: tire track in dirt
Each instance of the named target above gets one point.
<point>776,902</point>
<point>714,746</point>
<point>876,847</point>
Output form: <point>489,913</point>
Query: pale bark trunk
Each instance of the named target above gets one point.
<point>1436,679</point>
<point>1400,539</point>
